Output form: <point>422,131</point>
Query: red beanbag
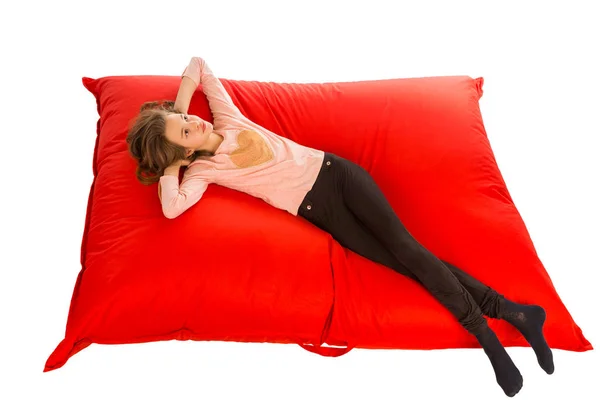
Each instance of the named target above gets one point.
<point>233,268</point>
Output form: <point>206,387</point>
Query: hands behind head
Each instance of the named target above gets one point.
<point>180,163</point>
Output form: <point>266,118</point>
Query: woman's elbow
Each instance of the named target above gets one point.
<point>170,213</point>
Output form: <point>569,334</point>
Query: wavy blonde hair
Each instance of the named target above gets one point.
<point>148,144</point>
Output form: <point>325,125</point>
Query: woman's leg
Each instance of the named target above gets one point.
<point>346,197</point>
<point>528,319</point>
<point>346,202</point>
<point>365,200</point>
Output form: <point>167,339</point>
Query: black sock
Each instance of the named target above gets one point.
<point>529,320</point>
<point>507,374</point>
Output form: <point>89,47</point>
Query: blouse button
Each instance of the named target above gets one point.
<point>328,162</point>
<point>308,207</point>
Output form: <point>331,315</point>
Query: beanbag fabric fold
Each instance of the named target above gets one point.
<point>233,268</point>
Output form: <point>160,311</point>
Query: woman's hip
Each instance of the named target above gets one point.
<point>326,195</point>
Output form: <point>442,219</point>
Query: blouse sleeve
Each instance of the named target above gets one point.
<point>219,100</point>
<point>175,198</point>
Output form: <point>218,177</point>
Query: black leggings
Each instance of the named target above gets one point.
<point>346,202</point>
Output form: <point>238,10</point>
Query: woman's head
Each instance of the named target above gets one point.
<point>161,135</point>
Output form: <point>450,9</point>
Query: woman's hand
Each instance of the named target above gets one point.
<point>180,163</point>
<point>173,169</point>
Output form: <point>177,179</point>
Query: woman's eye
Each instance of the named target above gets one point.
<point>186,133</point>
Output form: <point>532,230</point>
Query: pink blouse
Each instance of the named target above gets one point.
<point>251,159</point>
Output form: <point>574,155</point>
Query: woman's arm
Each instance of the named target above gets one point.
<point>187,87</point>
<point>172,169</point>
<point>176,198</point>
<point>219,101</point>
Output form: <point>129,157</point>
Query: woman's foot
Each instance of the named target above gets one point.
<point>507,374</point>
<point>529,320</point>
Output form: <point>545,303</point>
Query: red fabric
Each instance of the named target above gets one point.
<point>233,268</point>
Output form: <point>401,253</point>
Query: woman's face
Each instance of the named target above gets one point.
<point>189,131</point>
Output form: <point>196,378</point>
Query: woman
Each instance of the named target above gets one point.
<point>331,192</point>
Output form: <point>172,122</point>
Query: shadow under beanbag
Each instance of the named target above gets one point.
<point>233,268</point>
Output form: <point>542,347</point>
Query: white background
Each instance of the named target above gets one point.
<point>540,109</point>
